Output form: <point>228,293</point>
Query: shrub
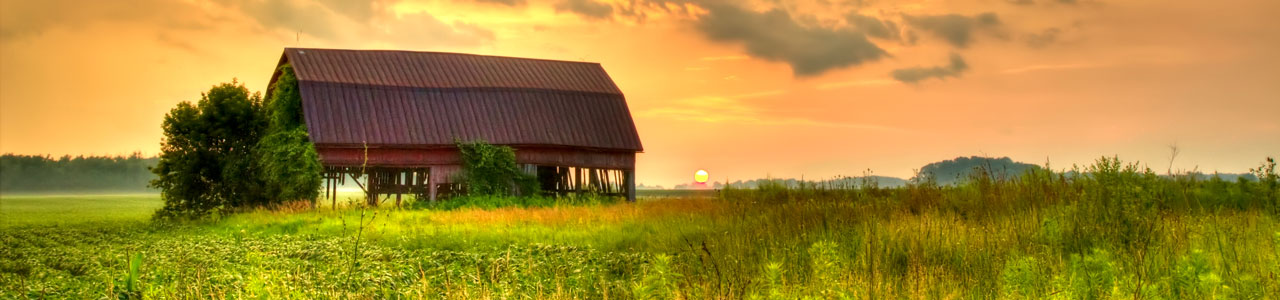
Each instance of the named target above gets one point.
<point>1023,278</point>
<point>290,166</point>
<point>1092,276</point>
<point>1268,183</point>
<point>491,170</point>
<point>1193,277</point>
<point>826,265</point>
<point>659,282</point>
<point>773,288</point>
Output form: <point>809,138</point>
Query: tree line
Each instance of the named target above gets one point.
<point>47,174</point>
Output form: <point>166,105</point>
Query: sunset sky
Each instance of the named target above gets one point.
<point>742,89</point>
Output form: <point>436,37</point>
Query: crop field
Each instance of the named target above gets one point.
<point>17,210</point>
<point>1119,233</point>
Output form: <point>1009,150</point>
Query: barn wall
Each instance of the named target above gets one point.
<point>401,157</point>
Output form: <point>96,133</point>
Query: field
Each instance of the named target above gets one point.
<point>16,210</point>
<point>1119,233</point>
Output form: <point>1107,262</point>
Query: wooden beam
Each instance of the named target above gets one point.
<point>630,185</point>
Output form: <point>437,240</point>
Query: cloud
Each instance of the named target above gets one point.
<point>873,27</point>
<point>363,10</point>
<point>1043,38</point>
<point>775,36</point>
<point>504,2</point>
<point>733,110</point>
<point>589,9</point>
<point>954,28</point>
<point>333,20</point>
<point>424,31</point>
<point>22,19</point>
<point>917,74</point>
<point>310,18</point>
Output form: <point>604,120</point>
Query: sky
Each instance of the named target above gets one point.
<point>742,89</point>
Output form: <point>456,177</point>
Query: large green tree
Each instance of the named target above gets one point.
<point>290,164</point>
<point>206,162</point>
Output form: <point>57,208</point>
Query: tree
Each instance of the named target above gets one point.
<point>206,163</point>
<point>291,166</point>
<point>285,105</point>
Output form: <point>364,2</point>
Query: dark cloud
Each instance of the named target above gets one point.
<point>775,36</point>
<point>1021,2</point>
<point>873,27</point>
<point>958,30</point>
<point>1043,38</point>
<point>586,8</point>
<point>634,9</point>
<point>917,74</point>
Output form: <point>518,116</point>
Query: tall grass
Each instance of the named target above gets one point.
<point>1104,231</point>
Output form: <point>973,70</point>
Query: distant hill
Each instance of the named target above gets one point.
<point>954,171</point>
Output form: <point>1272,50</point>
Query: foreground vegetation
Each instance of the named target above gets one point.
<point>1118,232</point>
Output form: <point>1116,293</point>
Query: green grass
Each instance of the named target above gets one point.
<point>61,209</point>
<point>1121,233</point>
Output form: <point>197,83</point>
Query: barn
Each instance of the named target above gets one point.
<point>394,117</point>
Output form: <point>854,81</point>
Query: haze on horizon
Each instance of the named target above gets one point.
<point>742,89</point>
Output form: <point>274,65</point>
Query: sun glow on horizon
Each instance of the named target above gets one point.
<point>700,176</point>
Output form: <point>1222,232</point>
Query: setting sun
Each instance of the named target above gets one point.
<point>700,176</point>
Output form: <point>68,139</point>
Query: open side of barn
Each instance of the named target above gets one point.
<point>395,117</point>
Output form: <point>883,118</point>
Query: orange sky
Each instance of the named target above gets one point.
<point>744,89</point>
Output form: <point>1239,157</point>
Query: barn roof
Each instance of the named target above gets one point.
<point>428,99</point>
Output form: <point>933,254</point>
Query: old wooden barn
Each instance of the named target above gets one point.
<point>394,116</point>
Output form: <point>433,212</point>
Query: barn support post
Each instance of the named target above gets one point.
<point>431,187</point>
<point>371,193</point>
<point>630,184</point>
<point>327,187</point>
<point>400,180</point>
<point>593,179</point>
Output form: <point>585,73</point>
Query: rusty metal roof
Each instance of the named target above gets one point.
<point>351,98</point>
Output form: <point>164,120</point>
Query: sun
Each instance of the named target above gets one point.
<point>700,176</point>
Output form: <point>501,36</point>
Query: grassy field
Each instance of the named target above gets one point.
<point>18,210</point>
<point>1119,233</point>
